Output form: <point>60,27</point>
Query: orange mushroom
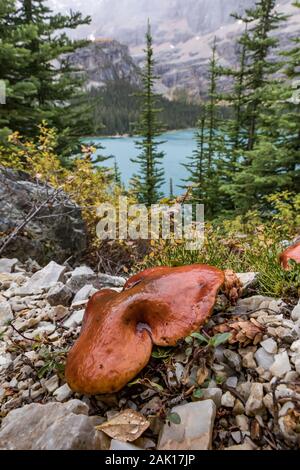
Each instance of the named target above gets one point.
<point>293,252</point>
<point>158,306</point>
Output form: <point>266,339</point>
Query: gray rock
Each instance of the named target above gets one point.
<point>7,265</point>
<point>81,277</point>
<point>295,347</point>
<point>43,279</point>
<point>75,319</point>
<point>214,394</point>
<point>269,345</point>
<point>259,302</point>
<point>247,279</point>
<point>254,404</point>
<point>58,231</point>
<point>263,359</point>
<point>114,281</point>
<point>54,426</point>
<point>51,384</point>
<point>242,423</point>
<point>63,393</point>
<point>233,359</point>
<point>43,328</point>
<point>228,400</point>
<point>232,381</point>
<point>248,361</point>
<point>119,445</point>
<point>59,295</point>
<point>84,294</point>
<point>295,315</point>
<point>281,365</point>
<point>195,430</point>
<point>6,314</point>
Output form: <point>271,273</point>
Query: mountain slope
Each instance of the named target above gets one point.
<point>183,32</point>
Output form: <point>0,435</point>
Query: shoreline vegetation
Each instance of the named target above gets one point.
<point>126,135</point>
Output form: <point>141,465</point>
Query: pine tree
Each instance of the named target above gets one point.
<point>147,184</point>
<point>255,170</point>
<point>258,42</point>
<point>117,173</point>
<point>41,83</point>
<point>205,164</point>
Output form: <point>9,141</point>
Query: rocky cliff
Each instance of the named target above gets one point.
<point>183,32</point>
<point>105,60</point>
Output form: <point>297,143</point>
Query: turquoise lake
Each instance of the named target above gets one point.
<point>177,147</point>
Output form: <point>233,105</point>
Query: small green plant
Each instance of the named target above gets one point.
<point>214,341</point>
<point>162,353</point>
<point>173,418</point>
<point>54,362</point>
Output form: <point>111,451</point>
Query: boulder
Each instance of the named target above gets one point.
<point>7,265</point>
<point>59,295</point>
<point>195,429</point>
<point>43,279</point>
<point>54,426</point>
<point>6,314</point>
<point>58,230</point>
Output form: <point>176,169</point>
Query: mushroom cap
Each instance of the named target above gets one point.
<point>292,252</point>
<point>158,306</point>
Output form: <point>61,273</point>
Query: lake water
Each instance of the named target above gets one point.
<point>177,147</point>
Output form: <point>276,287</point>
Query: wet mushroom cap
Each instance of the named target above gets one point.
<point>158,306</point>
<point>291,253</point>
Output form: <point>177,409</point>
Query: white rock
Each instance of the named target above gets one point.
<point>84,294</point>
<point>195,430</point>
<point>75,319</point>
<point>263,358</point>
<point>82,271</point>
<point>297,365</point>
<point>54,426</point>
<point>6,314</point>
<point>295,347</point>
<point>43,328</point>
<point>5,360</point>
<point>228,400</point>
<point>115,281</point>
<point>7,265</point>
<point>254,404</point>
<point>295,315</point>
<point>269,345</point>
<point>80,277</point>
<point>242,422</point>
<point>43,279</point>
<point>51,384</point>
<point>281,365</point>
<point>63,393</point>
<point>232,381</point>
<point>289,405</point>
<point>247,279</point>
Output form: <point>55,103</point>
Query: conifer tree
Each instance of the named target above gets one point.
<point>41,83</point>
<point>258,42</point>
<point>147,183</point>
<point>256,166</point>
<point>204,166</point>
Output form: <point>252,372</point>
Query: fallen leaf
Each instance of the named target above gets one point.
<point>202,374</point>
<point>126,426</point>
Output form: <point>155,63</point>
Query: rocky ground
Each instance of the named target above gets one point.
<point>222,391</point>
